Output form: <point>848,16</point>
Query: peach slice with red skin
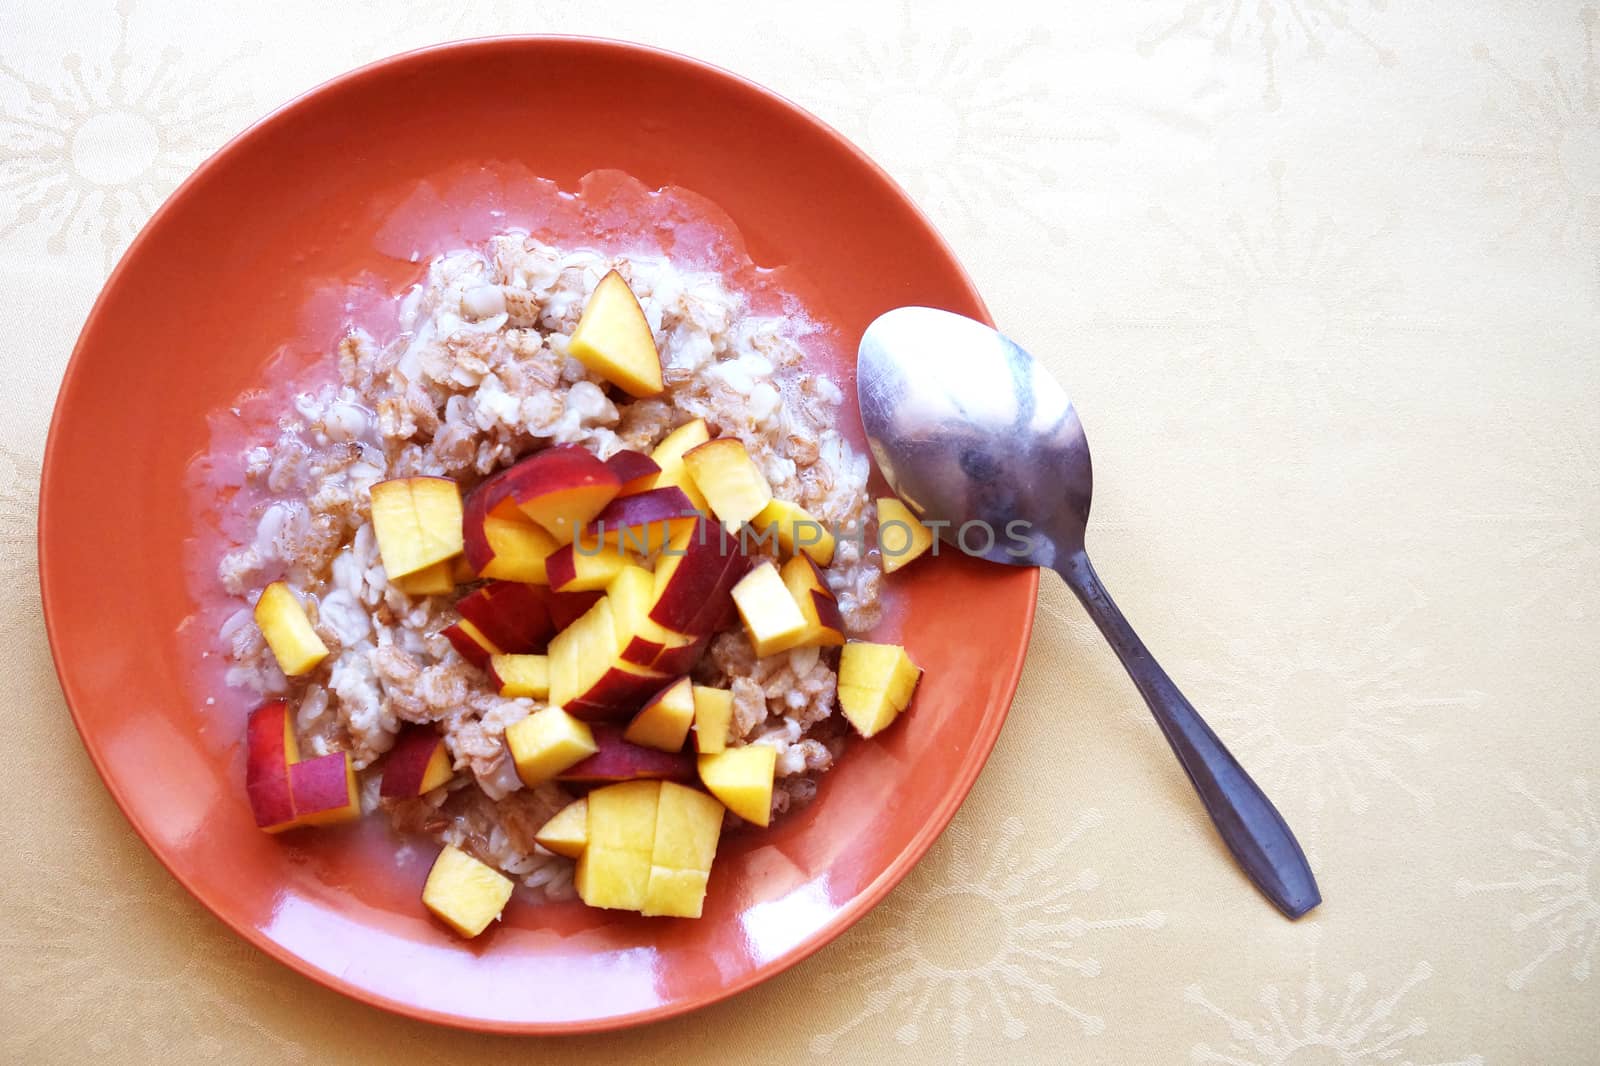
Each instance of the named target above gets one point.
<point>641,641</point>
<point>515,676</point>
<point>561,489</point>
<point>419,762</point>
<point>324,789</point>
<point>613,339</point>
<point>499,540</point>
<point>644,521</point>
<point>417,521</point>
<point>805,582</point>
<point>513,617</point>
<point>470,643</point>
<point>567,607</point>
<point>636,470</point>
<point>270,750</point>
<point>618,759</point>
<point>615,694</point>
<point>589,678</point>
<point>584,566</point>
<point>694,576</point>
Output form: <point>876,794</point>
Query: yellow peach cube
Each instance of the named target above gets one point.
<point>901,537</point>
<point>568,832</point>
<point>288,631</point>
<point>417,521</point>
<point>520,675</point>
<point>867,709</point>
<point>614,869</point>
<point>613,339</point>
<point>612,878</point>
<point>548,742</point>
<point>808,588</point>
<point>795,531</point>
<point>668,455</point>
<point>713,715</point>
<point>742,779</point>
<point>674,893</point>
<point>875,681</point>
<point>688,823</point>
<point>771,616</point>
<point>729,480</point>
<point>624,815</point>
<point>663,723</point>
<point>436,580</point>
<point>464,893</point>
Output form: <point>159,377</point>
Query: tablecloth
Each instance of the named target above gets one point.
<point>1323,278</point>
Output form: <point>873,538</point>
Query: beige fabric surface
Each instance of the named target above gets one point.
<point>1323,277</point>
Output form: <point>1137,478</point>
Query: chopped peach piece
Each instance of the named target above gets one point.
<point>614,870</point>
<point>520,675</point>
<point>519,547</point>
<point>688,823</point>
<point>436,580</point>
<point>464,893</point>
<point>795,531</point>
<point>568,832</point>
<point>742,779</point>
<point>469,640</point>
<point>546,743</point>
<point>668,455</point>
<point>324,790</point>
<point>636,470</point>
<point>419,762</point>
<point>824,626</point>
<point>270,751</point>
<point>876,683</point>
<point>614,340</point>
<point>901,537</point>
<point>417,521</point>
<point>713,714</point>
<point>729,479</point>
<point>288,631</point>
<point>664,722</point>
<point>771,616</point>
<point>584,567</point>
<point>643,521</point>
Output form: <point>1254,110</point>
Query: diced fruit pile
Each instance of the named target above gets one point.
<point>599,585</point>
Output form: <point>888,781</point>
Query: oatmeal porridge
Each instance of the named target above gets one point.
<point>444,631</point>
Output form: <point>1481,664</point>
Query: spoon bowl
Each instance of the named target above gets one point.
<point>982,443</point>
<point>974,434</point>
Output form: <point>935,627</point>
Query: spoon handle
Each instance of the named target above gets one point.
<point>1248,822</point>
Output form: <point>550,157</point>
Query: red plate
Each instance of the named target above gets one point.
<point>224,275</point>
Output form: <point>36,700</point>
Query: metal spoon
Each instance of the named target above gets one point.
<point>983,444</point>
